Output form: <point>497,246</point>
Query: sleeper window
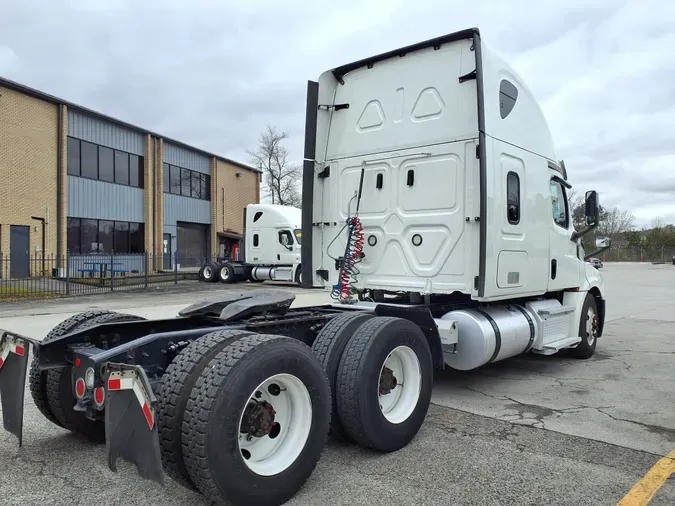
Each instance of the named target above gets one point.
<point>513,198</point>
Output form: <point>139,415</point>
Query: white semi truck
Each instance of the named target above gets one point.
<point>272,239</point>
<point>440,163</point>
<point>436,213</point>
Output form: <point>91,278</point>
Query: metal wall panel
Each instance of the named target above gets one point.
<point>92,129</point>
<point>177,208</point>
<point>186,158</point>
<point>88,198</point>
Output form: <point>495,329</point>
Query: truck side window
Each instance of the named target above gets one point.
<point>285,238</point>
<point>559,205</point>
<point>513,198</point>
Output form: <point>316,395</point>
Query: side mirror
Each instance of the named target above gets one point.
<point>603,242</point>
<point>592,208</point>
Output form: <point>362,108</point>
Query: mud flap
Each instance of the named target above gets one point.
<point>130,423</point>
<point>13,365</point>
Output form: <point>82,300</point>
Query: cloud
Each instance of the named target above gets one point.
<point>213,73</point>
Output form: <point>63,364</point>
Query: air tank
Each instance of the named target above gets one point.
<point>490,334</point>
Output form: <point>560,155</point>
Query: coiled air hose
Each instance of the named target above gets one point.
<point>343,290</point>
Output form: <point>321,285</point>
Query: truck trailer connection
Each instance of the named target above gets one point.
<point>435,213</point>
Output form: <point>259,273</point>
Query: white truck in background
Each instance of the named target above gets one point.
<point>271,249</point>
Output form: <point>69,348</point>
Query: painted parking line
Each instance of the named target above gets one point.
<point>645,489</point>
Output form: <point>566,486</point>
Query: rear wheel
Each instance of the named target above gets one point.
<point>37,379</point>
<point>328,347</point>
<point>174,392</point>
<point>257,421</point>
<point>209,272</point>
<point>60,395</point>
<point>384,383</point>
<point>227,274</point>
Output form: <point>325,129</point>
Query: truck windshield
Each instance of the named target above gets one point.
<point>298,235</point>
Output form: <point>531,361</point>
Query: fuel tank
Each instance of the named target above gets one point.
<point>490,334</point>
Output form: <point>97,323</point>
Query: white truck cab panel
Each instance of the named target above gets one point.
<point>273,234</point>
<point>448,158</point>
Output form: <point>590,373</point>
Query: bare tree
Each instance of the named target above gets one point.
<point>282,177</point>
<point>615,221</point>
<point>658,223</point>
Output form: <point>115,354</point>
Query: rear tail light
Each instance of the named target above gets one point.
<point>99,396</point>
<point>80,388</point>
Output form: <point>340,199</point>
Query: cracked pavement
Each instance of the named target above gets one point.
<point>623,395</point>
<point>529,430</point>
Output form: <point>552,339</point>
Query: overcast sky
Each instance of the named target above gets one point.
<point>213,73</point>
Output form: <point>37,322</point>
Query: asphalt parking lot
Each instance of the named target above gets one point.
<point>530,430</point>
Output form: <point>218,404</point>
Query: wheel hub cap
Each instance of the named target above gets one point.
<point>387,381</point>
<point>258,419</point>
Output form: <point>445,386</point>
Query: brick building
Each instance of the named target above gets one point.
<point>76,182</point>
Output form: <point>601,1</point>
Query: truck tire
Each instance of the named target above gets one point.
<point>298,276</point>
<point>588,329</point>
<point>60,394</point>
<point>226,274</point>
<point>209,272</point>
<point>329,346</point>
<point>37,379</point>
<point>384,383</point>
<point>273,384</point>
<point>174,391</point>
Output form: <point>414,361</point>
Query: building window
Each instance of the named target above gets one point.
<point>186,182</point>
<point>122,236</point>
<point>104,164</point>
<point>136,238</point>
<point>196,185</point>
<point>513,198</point>
<point>166,175</point>
<point>89,160</point>
<point>73,156</point>
<point>136,170</point>
<point>122,167</point>
<point>175,180</point>
<point>104,236</point>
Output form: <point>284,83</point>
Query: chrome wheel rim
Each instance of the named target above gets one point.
<point>591,326</point>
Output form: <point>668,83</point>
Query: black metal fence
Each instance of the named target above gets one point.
<point>621,253</point>
<point>36,277</point>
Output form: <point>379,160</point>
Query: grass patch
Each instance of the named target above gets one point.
<point>11,293</point>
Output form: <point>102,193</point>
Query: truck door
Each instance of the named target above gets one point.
<point>564,267</point>
<point>286,254</point>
